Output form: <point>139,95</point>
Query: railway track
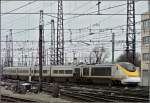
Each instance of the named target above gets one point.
<point>90,93</point>
<point>84,97</point>
<point>102,94</point>
<point>126,91</point>
<point>92,96</point>
<point>6,98</point>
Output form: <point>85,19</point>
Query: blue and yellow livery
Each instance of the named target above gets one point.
<point>128,72</point>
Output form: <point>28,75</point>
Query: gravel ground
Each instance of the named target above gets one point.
<point>40,97</point>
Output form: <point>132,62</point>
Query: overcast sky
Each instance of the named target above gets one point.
<point>84,23</point>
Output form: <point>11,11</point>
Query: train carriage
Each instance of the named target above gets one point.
<point>100,73</point>
<point>118,73</point>
<point>62,73</point>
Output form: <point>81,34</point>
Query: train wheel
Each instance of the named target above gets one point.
<point>114,83</point>
<point>132,85</point>
<point>118,83</point>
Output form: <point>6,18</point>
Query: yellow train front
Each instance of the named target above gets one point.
<point>114,74</point>
<point>126,73</point>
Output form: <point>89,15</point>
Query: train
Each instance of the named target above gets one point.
<point>118,73</point>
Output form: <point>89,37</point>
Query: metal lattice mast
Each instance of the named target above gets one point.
<point>52,55</point>
<point>60,35</point>
<point>130,35</point>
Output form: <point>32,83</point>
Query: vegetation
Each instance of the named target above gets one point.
<point>100,54</point>
<point>122,58</point>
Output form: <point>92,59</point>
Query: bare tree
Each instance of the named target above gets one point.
<point>123,58</point>
<point>101,54</point>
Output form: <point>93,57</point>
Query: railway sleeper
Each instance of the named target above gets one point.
<point>14,99</point>
<point>117,97</point>
<point>88,97</point>
<point>78,97</point>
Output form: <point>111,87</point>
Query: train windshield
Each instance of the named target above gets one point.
<point>128,66</point>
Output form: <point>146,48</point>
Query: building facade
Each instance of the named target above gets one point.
<point>145,50</point>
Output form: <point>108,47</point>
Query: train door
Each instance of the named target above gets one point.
<point>30,75</point>
<point>77,73</point>
<point>113,70</point>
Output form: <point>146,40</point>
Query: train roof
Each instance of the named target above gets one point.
<point>35,67</point>
<point>106,64</point>
<point>124,62</point>
<point>16,67</point>
<point>67,66</point>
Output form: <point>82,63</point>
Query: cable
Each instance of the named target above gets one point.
<point>103,29</point>
<point>23,16</point>
<point>108,17</point>
<point>96,11</point>
<point>81,6</point>
<point>18,8</point>
<point>31,41</point>
<point>19,32</point>
<point>105,20</point>
<point>78,14</point>
<point>102,9</point>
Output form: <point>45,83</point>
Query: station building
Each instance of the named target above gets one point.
<point>145,50</point>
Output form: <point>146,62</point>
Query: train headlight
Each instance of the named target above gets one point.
<point>124,76</point>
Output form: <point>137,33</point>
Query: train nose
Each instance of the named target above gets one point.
<point>131,80</point>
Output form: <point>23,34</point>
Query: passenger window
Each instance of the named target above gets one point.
<point>85,71</point>
<point>44,71</point>
<point>36,71</point>
<point>55,71</point>
<point>61,71</point>
<point>68,71</point>
<point>101,71</point>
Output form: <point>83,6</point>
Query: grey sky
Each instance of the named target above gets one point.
<point>83,22</point>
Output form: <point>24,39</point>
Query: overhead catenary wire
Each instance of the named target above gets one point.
<point>20,7</point>
<point>31,41</point>
<point>101,10</point>
<point>96,11</point>
<point>105,29</point>
<point>72,29</point>
<point>81,6</point>
<point>33,13</point>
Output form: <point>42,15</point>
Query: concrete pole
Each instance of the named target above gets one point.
<point>32,59</point>
<point>22,55</point>
<point>90,57</point>
<point>40,58</point>
<point>25,60</point>
<point>98,4</point>
<point>149,47</point>
<point>113,46</point>
<point>40,50</point>
<point>18,61</point>
<point>1,69</point>
<point>30,75</point>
